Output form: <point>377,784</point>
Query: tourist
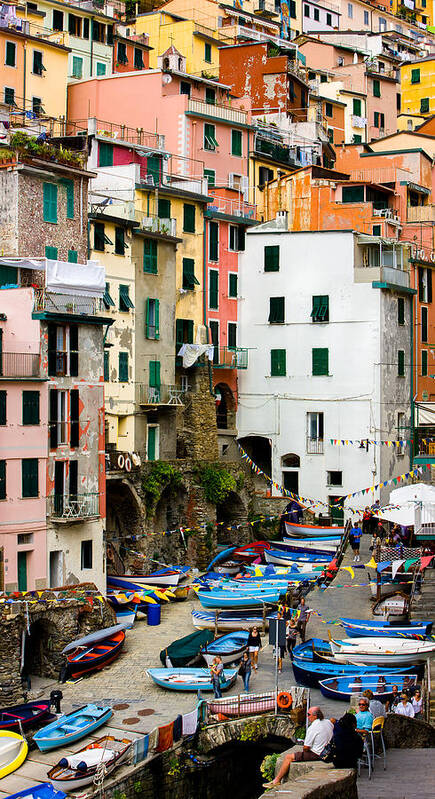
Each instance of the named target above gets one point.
<point>291,634</point>
<point>417,703</point>
<point>367,522</point>
<point>245,671</point>
<point>364,719</point>
<point>381,531</point>
<point>404,707</point>
<point>281,649</point>
<point>303,612</point>
<point>216,670</point>
<point>254,643</point>
<point>348,745</point>
<point>355,541</point>
<point>317,738</point>
<point>376,707</point>
<point>394,699</point>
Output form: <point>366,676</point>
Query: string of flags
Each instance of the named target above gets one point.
<point>362,442</point>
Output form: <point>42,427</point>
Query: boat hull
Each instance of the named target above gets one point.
<point>97,657</point>
<point>72,727</point>
<point>230,648</point>
<point>310,673</point>
<point>381,651</point>
<point>132,581</point>
<point>197,680</point>
<point>344,688</point>
<point>71,779</point>
<point>13,752</point>
<point>312,530</point>
<point>231,599</point>
<point>27,715</point>
<point>362,629</point>
<point>227,620</point>
<point>44,790</point>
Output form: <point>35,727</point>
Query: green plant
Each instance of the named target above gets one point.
<point>254,730</point>
<point>174,767</point>
<point>137,786</point>
<point>267,767</point>
<point>216,482</point>
<point>300,733</point>
<point>240,482</point>
<point>161,476</point>
<point>28,145</point>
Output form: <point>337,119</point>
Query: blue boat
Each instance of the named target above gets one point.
<point>72,727</point>
<point>279,557</point>
<point>230,647</point>
<point>228,619</point>
<point>360,628</point>
<point>380,684</point>
<point>126,616</point>
<point>44,790</point>
<point>218,598</point>
<point>190,679</point>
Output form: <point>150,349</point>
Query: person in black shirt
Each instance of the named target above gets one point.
<point>347,744</point>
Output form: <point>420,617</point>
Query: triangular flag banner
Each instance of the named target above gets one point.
<point>384,565</point>
<point>408,563</point>
<point>349,569</point>
<point>371,564</point>
<point>396,565</point>
<point>425,561</point>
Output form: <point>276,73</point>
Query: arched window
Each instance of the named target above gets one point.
<point>291,461</point>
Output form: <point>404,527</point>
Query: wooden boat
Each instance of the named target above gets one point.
<point>357,628</point>
<point>281,558</point>
<point>382,651</point>
<point>271,572</point>
<point>228,619</point>
<point>288,546</point>
<point>44,790</point>
<point>126,617</point>
<point>230,647</point>
<point>190,679</point>
<point>380,684</point>
<point>124,599</point>
<point>72,726</point>
<point>76,770</point>
<point>317,545</point>
<point>162,577</point>
<point>218,598</point>
<point>24,716</point>
<point>13,752</point>
<point>85,659</point>
<point>312,530</point>
<point>186,651</point>
<point>394,604</point>
<point>242,705</point>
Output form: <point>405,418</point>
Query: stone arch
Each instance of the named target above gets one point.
<point>231,512</point>
<point>225,407</point>
<point>259,448</point>
<point>124,515</point>
<point>215,736</point>
<point>40,655</point>
<point>291,460</point>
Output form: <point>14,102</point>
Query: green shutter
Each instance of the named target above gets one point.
<point>29,477</point>
<point>69,184</point>
<point>107,299</point>
<point>236,142</point>
<point>50,202</point>
<point>125,302</point>
<point>356,107</point>
<point>271,258</point>
<point>154,374</point>
<point>424,105</point>
<point>151,443</point>
<point>72,256</point>
<point>210,142</point>
<point>276,310</point>
<point>207,52</point>
<point>210,96</point>
<point>415,76</point>
<point>376,88</point>
<point>188,218</point>
<point>119,241</point>
<point>232,335</point>
<point>77,68</point>
<point>320,361</point>
<point>31,407</point>
<point>320,311</point>
<point>164,208</point>
<point>401,363</point>
<point>10,54</point>
<point>3,395</point>
<point>152,325</point>
<point>154,167</point>
<point>424,363</point>
<point>213,297</point>
<point>157,319</point>
<point>150,256</point>
<point>352,194</point>
<point>123,367</point>
<point>278,363</point>
<point>213,243</point>
<point>8,275</point>
<point>2,479</point>
<point>401,311</point>
<point>189,331</point>
<point>179,331</point>
<point>106,366</point>
<point>51,252</point>
<point>189,279</point>
<point>105,154</point>
<point>233,285</point>
<point>210,174</point>
<point>101,68</point>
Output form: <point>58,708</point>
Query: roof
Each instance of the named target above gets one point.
<point>418,60</point>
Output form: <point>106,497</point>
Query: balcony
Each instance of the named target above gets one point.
<point>242,32</point>
<point>223,205</point>
<point>155,224</point>
<point>50,302</point>
<point>116,460</point>
<point>19,364</point>
<point>163,395</point>
<point>279,152</point>
<point>420,213</point>
<point>217,111</point>
<point>73,507</point>
<point>314,446</point>
<point>230,358</point>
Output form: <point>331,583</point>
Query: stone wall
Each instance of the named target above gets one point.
<point>196,423</point>
<point>325,781</point>
<point>401,732</point>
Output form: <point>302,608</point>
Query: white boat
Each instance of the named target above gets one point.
<point>284,558</point>
<point>312,530</point>
<point>322,545</point>
<point>292,568</point>
<point>381,651</point>
<point>13,752</point>
<point>107,752</point>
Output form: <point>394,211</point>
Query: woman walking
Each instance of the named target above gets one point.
<point>254,643</point>
<point>245,671</point>
<point>216,670</point>
<point>291,635</point>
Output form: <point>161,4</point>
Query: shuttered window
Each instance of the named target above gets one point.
<point>74,350</point>
<point>210,142</point>
<point>3,395</point>
<point>107,299</point>
<point>29,477</point>
<point>119,241</point>
<point>415,76</point>
<point>188,218</point>
<point>213,241</point>
<point>232,335</point>
<point>72,256</point>
<point>400,311</point>
<point>123,367</point>
<point>278,363</point>
<point>376,88</point>
<point>74,406</point>
<point>150,256</point>
<point>2,479</point>
<point>424,324</point>
<point>320,361</point>
<point>424,363</point>
<point>125,302</point>
<point>352,194</point>
<point>152,314</point>
<point>424,105</point>
<point>356,107</point>
<point>99,236</point>
<point>189,279</point>
<point>106,366</point>
<point>51,252</point>
<point>232,285</point>
<point>276,310</point>
<point>154,374</point>
<point>11,49</point>
<point>31,407</point>
<point>207,52</point>
<point>164,208</point>
<point>52,425</point>
<point>154,168</point>
<point>236,142</point>
<point>210,174</point>
<point>213,296</point>
<point>183,332</point>
<point>401,363</point>
<point>271,258</point>
<point>105,154</point>
<point>50,202</point>
<point>320,311</point>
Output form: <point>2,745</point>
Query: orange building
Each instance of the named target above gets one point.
<point>130,53</point>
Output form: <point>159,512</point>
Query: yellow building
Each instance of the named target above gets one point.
<point>420,14</point>
<point>198,43</point>
<point>417,80</point>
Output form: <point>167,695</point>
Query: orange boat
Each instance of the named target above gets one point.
<point>96,656</point>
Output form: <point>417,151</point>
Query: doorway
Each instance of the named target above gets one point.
<point>22,571</point>
<point>56,569</point>
<point>337,512</point>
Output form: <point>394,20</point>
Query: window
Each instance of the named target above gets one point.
<point>210,174</point>
<point>377,230</point>
<point>51,252</point>
<point>106,366</point>
<point>63,350</point>
<point>236,238</point>
<point>316,14</point>
<point>69,185</point>
<point>119,241</point>
<point>101,68</point>
<point>320,310</point>
<point>214,331</point>
<point>424,363</point>
<point>401,363</point>
<point>232,285</point>
<point>210,142</point>
<point>424,105</point>
<point>207,53</point>
<point>185,88</point>
<point>11,54</point>
<point>356,109</point>
<point>109,37</point>
<point>98,31</point>
<point>424,324</point>
<point>350,10</point>
<point>334,478</point>
<point>210,96</point>
<point>415,76</point>
<point>188,218</point>
<point>264,175</point>
<point>320,361</point>
<point>213,289</point>
<point>352,194</point>
<point>86,28</point>
<point>366,17</point>
<point>3,395</point>
<point>138,58</point>
<point>152,318</point>
<point>356,138</point>
<point>232,335</point>
<point>31,407</point>
<point>306,11</point>
<point>77,67</point>
<point>331,135</point>
<point>72,256</point>
<point>424,284</point>
<point>153,445</point>
<point>154,374</point>
<point>340,61</point>
<point>189,279</point>
<point>57,426</point>
<point>213,241</point>
<point>278,363</point>
<point>38,66</point>
<point>122,53</point>
<point>99,236</point>
<point>2,479</point>
<point>50,202</point>
<point>400,311</point>
<point>276,310</point>
<point>292,6</point>
<point>376,88</point>
<point>57,20</point>
<point>164,208</point>
<point>236,142</point>
<point>379,120</point>
<point>125,302</point>
<point>315,427</point>
<point>329,24</point>
<point>74,25</point>
<point>183,332</point>
<point>37,108</point>
<point>382,24</point>
<point>107,299</point>
<point>123,367</point>
<point>150,256</point>
<point>271,258</point>
<point>86,554</point>
<point>9,96</point>
<point>328,109</point>
<point>105,154</point>
<point>29,477</point>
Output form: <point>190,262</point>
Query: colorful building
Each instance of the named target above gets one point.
<point>198,43</point>
<point>130,52</point>
<point>417,87</point>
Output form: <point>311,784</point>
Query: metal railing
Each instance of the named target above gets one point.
<point>314,446</point>
<point>230,358</point>
<point>255,704</point>
<point>155,224</point>
<point>116,461</point>
<point>73,506</point>
<point>115,131</point>
<point>163,395</point>
<point>224,205</point>
<point>379,175</point>
<point>66,303</point>
<point>217,111</point>
<point>19,364</point>
<point>261,36</point>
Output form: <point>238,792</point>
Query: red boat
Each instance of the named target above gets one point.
<point>96,656</point>
<point>27,715</point>
<point>250,553</point>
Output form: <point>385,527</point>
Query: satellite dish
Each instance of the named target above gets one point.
<point>167,78</point>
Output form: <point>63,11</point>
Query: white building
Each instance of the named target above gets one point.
<point>320,15</point>
<point>328,317</point>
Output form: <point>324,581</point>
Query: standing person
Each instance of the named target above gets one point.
<point>355,541</point>
<point>395,699</point>
<point>303,612</point>
<point>375,509</point>
<point>291,634</point>
<point>245,671</point>
<point>254,643</point>
<point>417,703</point>
<point>319,734</point>
<point>216,670</point>
<point>404,707</point>
<point>367,522</point>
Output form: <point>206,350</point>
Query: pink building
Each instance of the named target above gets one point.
<point>23,443</point>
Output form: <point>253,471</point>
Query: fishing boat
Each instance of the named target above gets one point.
<point>312,530</point>
<point>186,651</point>
<point>44,790</point>
<point>228,619</point>
<point>230,647</point>
<point>126,617</point>
<point>380,684</point>
<point>357,628</point>
<point>72,726</point>
<point>24,716</point>
<point>84,659</point>
<point>242,705</point>
<point>382,651</point>
<point>190,679</point>
<point>76,770</point>
<point>280,558</point>
<point>13,752</point>
<point>218,598</point>
<point>323,544</point>
<point>288,546</point>
<point>162,577</point>
<point>394,604</point>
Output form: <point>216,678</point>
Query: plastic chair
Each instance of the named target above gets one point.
<point>365,759</point>
<point>377,732</point>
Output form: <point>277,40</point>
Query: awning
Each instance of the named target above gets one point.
<point>86,280</point>
<point>425,413</point>
<point>24,263</point>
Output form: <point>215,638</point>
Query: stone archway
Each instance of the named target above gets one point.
<point>40,655</point>
<point>258,448</point>
<point>231,512</point>
<point>124,515</point>
<point>225,407</point>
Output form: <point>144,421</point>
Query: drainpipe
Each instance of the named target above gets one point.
<point>24,73</point>
<point>204,302</point>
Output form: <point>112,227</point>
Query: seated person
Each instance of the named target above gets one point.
<point>318,735</point>
<point>404,708</point>
<point>375,706</point>
<point>364,719</point>
<point>348,744</point>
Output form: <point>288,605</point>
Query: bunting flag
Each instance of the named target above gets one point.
<point>362,442</point>
<point>349,569</point>
<point>395,566</point>
<point>409,563</point>
<point>371,564</point>
<point>425,560</point>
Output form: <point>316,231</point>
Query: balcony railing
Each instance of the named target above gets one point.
<point>19,364</point>
<point>112,130</point>
<point>163,395</point>
<point>224,205</point>
<point>217,111</point>
<point>314,446</point>
<point>73,506</point>
<point>66,303</point>
<point>420,213</point>
<point>243,32</point>
<point>230,358</point>
<point>155,224</point>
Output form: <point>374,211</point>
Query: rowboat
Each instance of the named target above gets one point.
<point>96,656</point>
<point>272,572</point>
<point>242,705</point>
<point>24,716</point>
<point>218,598</point>
<point>357,628</point>
<point>382,651</point>
<point>190,679</point>
<point>322,544</point>
<point>158,593</point>
<point>93,638</point>
<point>311,673</point>
<point>227,619</point>
<point>230,647</point>
<point>287,545</point>
<point>381,685</point>
<point>44,790</point>
<point>312,530</point>
<point>13,751</point>
<point>280,558</point>
<point>126,617</point>
<point>76,770</point>
<point>185,651</point>
<point>161,577</point>
<point>72,726</point>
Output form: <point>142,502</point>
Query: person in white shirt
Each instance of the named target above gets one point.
<point>404,708</point>
<point>417,702</point>
<point>318,736</point>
